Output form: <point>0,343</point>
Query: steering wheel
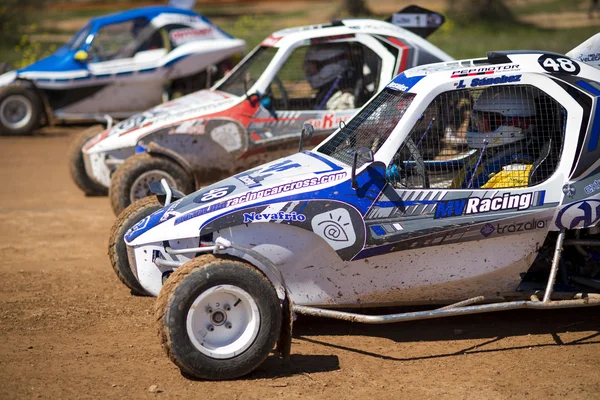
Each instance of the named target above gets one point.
<point>285,102</point>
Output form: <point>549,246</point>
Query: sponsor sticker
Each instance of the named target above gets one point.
<point>398,86</point>
<point>580,214</point>
<point>328,121</point>
<point>489,81</point>
<point>487,230</point>
<point>252,195</point>
<point>181,36</point>
<point>513,227</point>
<point>266,217</point>
<point>476,205</point>
<point>591,188</point>
<point>228,136</point>
<point>484,70</point>
<point>335,227</point>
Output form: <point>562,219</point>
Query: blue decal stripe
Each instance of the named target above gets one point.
<point>595,135</point>
<point>173,61</point>
<point>589,87</point>
<point>378,230</point>
<point>303,206</point>
<point>542,196</point>
<point>147,70</point>
<point>593,143</point>
<point>124,73</point>
<point>332,165</point>
<point>408,203</point>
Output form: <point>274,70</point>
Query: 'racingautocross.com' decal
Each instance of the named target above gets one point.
<point>250,196</point>
<point>259,194</point>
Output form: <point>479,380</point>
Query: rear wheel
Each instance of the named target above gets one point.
<point>218,318</point>
<point>130,181</point>
<point>117,249</point>
<point>20,110</point>
<point>77,165</point>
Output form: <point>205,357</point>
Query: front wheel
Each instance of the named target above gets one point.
<point>20,110</point>
<point>218,318</point>
<point>117,249</point>
<point>130,181</point>
<point>77,164</point>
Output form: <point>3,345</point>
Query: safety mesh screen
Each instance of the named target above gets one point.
<point>246,75</point>
<point>370,127</point>
<point>497,137</point>
<point>320,76</point>
<point>326,76</point>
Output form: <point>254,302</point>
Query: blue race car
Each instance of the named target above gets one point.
<point>117,65</point>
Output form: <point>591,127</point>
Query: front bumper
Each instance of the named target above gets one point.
<point>99,166</point>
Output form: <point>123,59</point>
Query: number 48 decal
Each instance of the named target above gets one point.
<point>558,64</point>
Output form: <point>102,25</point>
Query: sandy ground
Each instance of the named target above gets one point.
<point>69,329</point>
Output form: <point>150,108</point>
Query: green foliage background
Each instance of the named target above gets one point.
<point>29,33</point>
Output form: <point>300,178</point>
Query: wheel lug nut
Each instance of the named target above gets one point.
<point>228,325</point>
<point>210,328</point>
<point>227,307</point>
<point>209,310</point>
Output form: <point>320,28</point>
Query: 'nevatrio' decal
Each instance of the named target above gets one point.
<point>267,217</point>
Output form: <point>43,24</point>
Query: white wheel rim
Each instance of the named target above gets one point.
<point>15,111</point>
<point>223,321</point>
<point>140,188</point>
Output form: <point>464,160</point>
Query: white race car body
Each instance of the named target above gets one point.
<point>229,127</point>
<point>378,244</point>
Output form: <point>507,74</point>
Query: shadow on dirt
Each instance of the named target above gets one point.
<point>493,327</point>
<point>298,364</point>
<point>58,131</point>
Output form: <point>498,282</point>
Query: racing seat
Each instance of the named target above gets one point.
<point>540,170</point>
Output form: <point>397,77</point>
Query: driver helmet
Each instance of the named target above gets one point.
<point>324,64</point>
<point>501,116</point>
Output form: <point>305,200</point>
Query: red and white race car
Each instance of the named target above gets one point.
<point>320,74</point>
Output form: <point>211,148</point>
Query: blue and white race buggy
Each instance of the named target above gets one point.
<point>118,65</point>
<point>473,183</point>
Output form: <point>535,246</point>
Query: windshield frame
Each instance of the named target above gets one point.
<point>243,66</point>
<point>79,40</point>
<point>342,134</point>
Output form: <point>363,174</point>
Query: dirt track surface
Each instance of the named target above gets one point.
<point>69,329</point>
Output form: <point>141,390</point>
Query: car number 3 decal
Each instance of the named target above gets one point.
<point>557,64</point>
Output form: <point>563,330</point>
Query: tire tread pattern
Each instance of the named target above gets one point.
<point>117,251</point>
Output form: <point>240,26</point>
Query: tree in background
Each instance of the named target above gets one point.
<point>18,18</point>
<point>467,11</point>
<point>356,8</point>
